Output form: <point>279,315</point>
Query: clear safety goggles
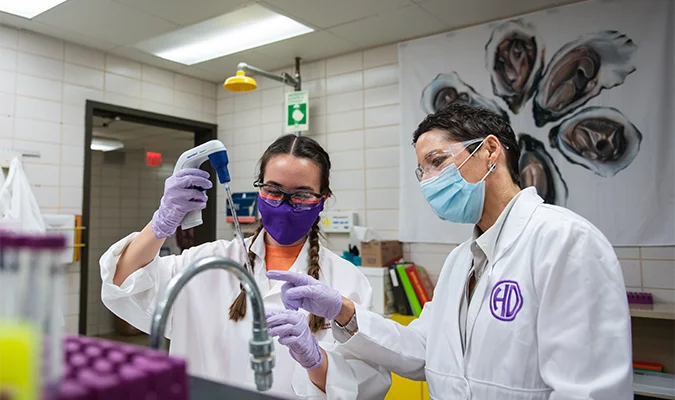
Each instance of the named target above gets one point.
<point>435,161</point>
<point>301,200</point>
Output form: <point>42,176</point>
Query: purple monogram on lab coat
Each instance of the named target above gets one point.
<point>506,300</point>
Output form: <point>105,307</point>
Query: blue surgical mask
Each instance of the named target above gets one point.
<point>453,198</point>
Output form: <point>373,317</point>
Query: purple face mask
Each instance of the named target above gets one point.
<point>285,224</point>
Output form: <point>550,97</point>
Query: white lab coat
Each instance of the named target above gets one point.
<point>217,348</point>
<point>564,335</point>
<point>18,204</point>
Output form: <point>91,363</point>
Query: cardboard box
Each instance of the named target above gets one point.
<point>380,253</point>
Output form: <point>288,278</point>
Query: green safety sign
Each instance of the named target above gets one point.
<point>297,112</point>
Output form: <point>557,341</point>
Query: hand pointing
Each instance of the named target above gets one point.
<point>303,291</point>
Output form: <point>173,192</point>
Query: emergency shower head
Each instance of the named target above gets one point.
<point>240,83</point>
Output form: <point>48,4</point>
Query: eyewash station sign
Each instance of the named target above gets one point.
<point>297,112</point>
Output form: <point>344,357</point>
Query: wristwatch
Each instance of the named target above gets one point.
<point>351,327</point>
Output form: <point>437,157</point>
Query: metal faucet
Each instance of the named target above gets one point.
<point>260,346</point>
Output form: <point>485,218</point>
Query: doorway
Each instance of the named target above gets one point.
<point>122,189</point>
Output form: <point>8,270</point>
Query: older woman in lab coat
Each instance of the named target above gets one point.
<point>533,306</point>
<point>293,184</point>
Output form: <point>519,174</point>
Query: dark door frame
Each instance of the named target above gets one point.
<point>203,133</point>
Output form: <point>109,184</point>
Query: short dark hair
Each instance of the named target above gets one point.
<point>462,122</point>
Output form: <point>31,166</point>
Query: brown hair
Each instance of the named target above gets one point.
<point>302,147</point>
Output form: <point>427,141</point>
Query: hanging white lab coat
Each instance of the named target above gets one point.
<point>548,319</point>
<point>18,204</point>
<point>215,347</point>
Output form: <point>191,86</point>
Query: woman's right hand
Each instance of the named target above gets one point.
<point>183,192</point>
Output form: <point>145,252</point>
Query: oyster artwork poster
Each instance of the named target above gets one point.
<point>589,90</point>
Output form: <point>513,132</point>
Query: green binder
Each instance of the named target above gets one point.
<point>409,291</point>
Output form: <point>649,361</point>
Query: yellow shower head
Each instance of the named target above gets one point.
<point>240,83</point>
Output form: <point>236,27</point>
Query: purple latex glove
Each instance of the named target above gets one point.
<point>183,192</point>
<point>293,331</point>
<point>303,291</point>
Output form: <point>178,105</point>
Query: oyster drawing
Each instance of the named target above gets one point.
<point>538,169</point>
<point>600,139</point>
<point>449,88</point>
<point>580,70</point>
<point>514,57</point>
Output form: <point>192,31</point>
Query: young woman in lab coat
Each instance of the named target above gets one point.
<point>532,307</point>
<point>294,183</point>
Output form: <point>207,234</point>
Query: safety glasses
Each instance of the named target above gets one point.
<point>301,200</point>
<point>435,161</point>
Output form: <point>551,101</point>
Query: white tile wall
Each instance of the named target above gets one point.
<point>44,84</point>
<point>354,103</point>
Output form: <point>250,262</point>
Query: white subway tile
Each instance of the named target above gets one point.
<point>248,118</point>
<point>632,275</point>
<point>317,107</point>
<point>344,83</point>
<point>42,67</point>
<point>383,157</point>
<point>659,253</point>
<point>251,134</point>
<point>246,152</point>
<point>225,106</point>
<point>38,131</point>
<point>273,96</point>
<point>317,124</point>
<point>348,121</point>
<point>343,64</point>
<point>187,101</point>
<point>663,295</point>
<point>188,84</point>
<point>433,263</point>
<point>157,76</point>
<point>43,175</point>
<point>209,90</point>
<point>245,170</point>
<point>7,104</point>
<point>383,219</point>
<point>123,66</point>
<point>49,153</point>
<point>157,93</point>
<point>347,180</point>
<point>313,70</point>
<point>72,115</point>
<point>383,116</point>
<point>6,128</point>
<point>272,114</point>
<point>42,110</point>
<point>627,252</point>
<point>247,101</point>
<point>382,96</point>
<point>381,76</point>
<point>72,155</point>
<point>71,198</point>
<point>380,56</point>
<point>210,118</point>
<point>382,199</point>
<point>72,177</point>
<point>9,37</point>
<point>72,134</point>
<point>84,56</point>
<point>8,59</point>
<point>384,178</point>
<point>78,95</point>
<point>209,106</point>
<point>123,85</point>
<point>7,82</point>
<point>83,76</point>
<point>443,249</point>
<point>46,196</point>
<point>35,43</point>
<point>271,131</point>
<point>315,88</point>
<point>352,140</point>
<point>658,274</point>
<point>225,121</point>
<point>345,102</point>
<point>385,136</point>
<point>348,200</point>
<point>347,160</point>
<point>122,100</point>
<point>40,88</point>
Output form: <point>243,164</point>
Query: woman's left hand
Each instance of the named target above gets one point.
<point>292,328</point>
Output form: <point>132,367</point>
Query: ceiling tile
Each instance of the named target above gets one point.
<point>456,14</point>
<point>328,13</point>
<point>227,66</point>
<point>185,12</point>
<point>403,23</point>
<point>106,20</point>
<point>310,47</point>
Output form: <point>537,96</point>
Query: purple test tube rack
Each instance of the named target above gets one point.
<point>640,300</point>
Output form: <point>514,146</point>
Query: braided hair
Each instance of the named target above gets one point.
<point>301,147</point>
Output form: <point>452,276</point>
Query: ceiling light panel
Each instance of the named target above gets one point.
<point>28,8</point>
